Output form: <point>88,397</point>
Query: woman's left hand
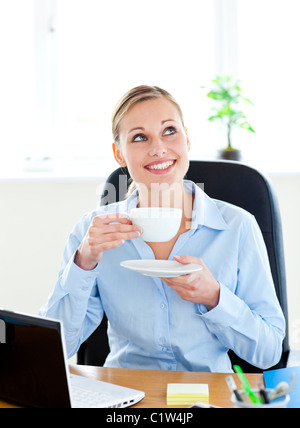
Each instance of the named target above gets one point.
<point>198,287</point>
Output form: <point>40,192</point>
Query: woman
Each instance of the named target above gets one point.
<point>184,323</point>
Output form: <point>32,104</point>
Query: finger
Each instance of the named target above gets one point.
<point>105,246</point>
<point>182,280</point>
<point>103,239</point>
<point>111,218</point>
<point>114,228</point>
<point>100,223</point>
<point>121,236</point>
<point>179,289</point>
<point>185,292</point>
<point>189,259</point>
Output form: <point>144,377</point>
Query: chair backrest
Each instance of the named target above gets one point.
<point>232,182</point>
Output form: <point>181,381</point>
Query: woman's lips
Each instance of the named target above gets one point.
<point>160,167</point>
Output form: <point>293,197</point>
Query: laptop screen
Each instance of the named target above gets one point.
<point>32,364</point>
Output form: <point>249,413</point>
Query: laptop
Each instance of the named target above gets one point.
<point>34,370</point>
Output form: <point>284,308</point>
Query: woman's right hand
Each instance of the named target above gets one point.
<point>102,235</point>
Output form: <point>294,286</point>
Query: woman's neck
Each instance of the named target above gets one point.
<point>161,195</point>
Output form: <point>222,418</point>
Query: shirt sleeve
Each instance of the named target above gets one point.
<point>75,299</point>
<point>249,319</point>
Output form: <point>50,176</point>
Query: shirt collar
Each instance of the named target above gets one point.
<point>205,210</point>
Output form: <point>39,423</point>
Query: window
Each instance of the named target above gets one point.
<point>17,81</point>
<point>66,63</point>
<point>70,61</point>
<point>268,64</point>
<point>106,48</point>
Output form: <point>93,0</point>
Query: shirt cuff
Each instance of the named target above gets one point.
<point>75,280</point>
<point>228,310</point>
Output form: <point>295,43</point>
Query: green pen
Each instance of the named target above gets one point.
<point>246,387</point>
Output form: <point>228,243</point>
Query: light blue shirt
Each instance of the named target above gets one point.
<point>150,326</point>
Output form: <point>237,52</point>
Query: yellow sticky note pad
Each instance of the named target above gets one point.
<point>187,393</point>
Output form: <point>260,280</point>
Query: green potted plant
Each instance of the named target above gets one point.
<point>228,98</point>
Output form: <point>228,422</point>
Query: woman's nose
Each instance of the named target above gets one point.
<point>157,148</point>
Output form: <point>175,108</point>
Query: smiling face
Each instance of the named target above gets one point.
<point>153,143</point>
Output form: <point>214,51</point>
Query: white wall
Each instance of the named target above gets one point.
<point>35,221</point>
<point>36,218</point>
<point>288,192</point>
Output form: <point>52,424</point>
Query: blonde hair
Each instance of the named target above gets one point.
<point>133,97</point>
<point>130,99</point>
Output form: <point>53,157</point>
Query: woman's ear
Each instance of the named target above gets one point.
<point>188,140</point>
<point>118,155</point>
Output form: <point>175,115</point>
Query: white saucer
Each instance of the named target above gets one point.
<point>160,268</point>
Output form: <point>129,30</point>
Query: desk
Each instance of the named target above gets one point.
<point>154,383</point>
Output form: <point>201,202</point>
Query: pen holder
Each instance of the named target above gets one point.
<point>280,403</point>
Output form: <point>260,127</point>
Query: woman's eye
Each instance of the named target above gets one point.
<point>170,131</point>
<point>139,137</point>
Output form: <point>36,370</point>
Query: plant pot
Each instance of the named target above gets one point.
<point>233,154</point>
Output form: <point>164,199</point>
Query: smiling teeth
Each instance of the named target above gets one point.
<point>163,165</point>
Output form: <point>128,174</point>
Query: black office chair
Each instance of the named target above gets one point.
<point>232,182</point>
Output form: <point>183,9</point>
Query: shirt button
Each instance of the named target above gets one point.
<point>163,306</point>
<point>162,341</point>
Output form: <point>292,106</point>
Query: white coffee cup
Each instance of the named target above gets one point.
<point>159,224</point>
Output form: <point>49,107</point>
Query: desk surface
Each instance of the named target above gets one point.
<point>154,383</point>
